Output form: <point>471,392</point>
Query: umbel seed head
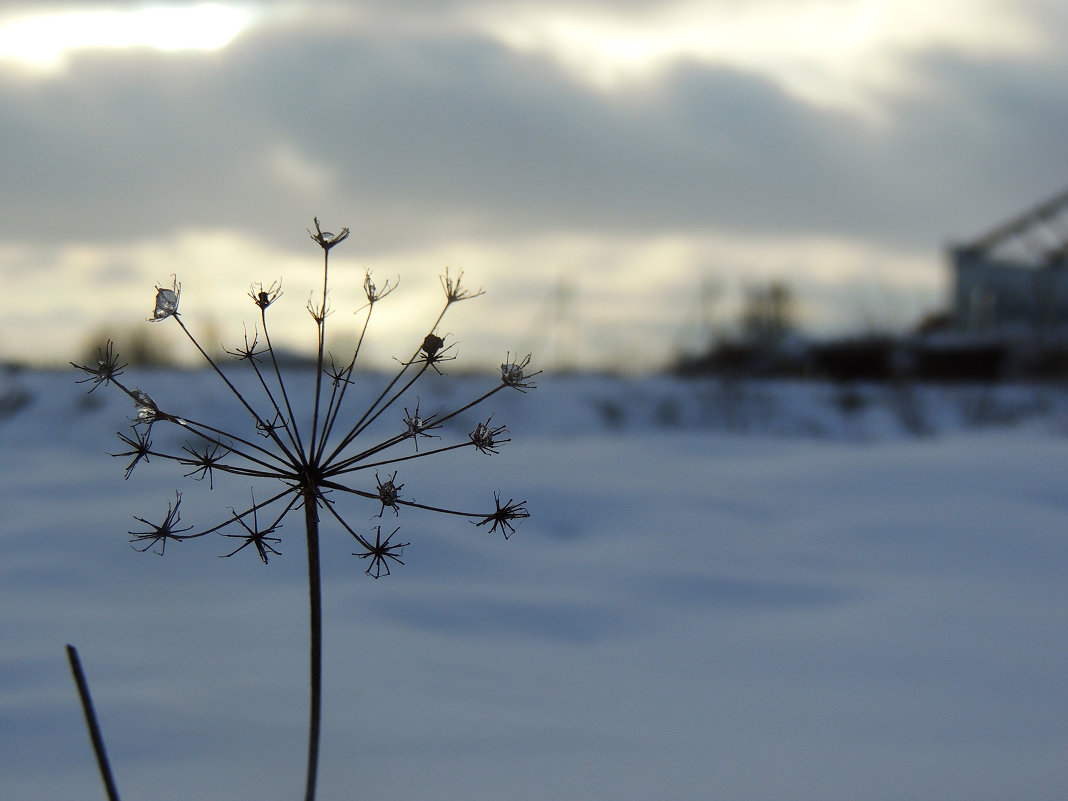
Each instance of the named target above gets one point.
<point>315,466</point>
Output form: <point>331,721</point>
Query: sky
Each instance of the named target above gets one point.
<point>615,175</point>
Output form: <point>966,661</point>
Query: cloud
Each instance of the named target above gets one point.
<point>43,40</point>
<point>433,136</point>
<point>826,53</point>
<point>423,138</point>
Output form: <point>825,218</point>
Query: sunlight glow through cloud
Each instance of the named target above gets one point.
<point>43,41</point>
<point>832,53</point>
<point>616,311</point>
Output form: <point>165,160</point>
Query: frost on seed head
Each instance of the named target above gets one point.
<point>166,301</point>
<point>514,373</point>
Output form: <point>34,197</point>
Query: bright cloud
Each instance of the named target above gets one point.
<point>616,291</point>
<point>835,53</point>
<point>43,41</point>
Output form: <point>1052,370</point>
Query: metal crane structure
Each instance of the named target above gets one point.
<point>1014,279</point>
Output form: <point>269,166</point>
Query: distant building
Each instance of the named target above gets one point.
<point>1014,280</point>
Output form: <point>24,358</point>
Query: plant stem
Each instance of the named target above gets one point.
<point>311,520</point>
<point>91,722</point>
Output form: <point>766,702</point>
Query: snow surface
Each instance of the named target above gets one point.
<point>726,591</point>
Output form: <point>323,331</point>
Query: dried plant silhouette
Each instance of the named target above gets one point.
<point>314,464</point>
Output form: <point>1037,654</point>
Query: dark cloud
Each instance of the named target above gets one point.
<point>988,145</point>
<point>424,136</point>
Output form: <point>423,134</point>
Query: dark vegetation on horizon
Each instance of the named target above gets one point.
<point>768,344</point>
